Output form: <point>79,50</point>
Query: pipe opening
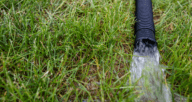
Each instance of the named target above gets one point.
<point>145,46</point>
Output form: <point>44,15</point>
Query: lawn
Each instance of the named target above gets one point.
<point>72,50</point>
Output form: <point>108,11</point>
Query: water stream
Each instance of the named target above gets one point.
<point>147,74</point>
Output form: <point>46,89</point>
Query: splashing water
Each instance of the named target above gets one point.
<point>146,73</point>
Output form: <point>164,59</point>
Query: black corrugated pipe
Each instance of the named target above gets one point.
<point>144,27</point>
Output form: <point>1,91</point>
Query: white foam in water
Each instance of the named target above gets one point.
<point>146,73</point>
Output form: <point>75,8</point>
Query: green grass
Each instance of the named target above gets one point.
<point>61,50</point>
